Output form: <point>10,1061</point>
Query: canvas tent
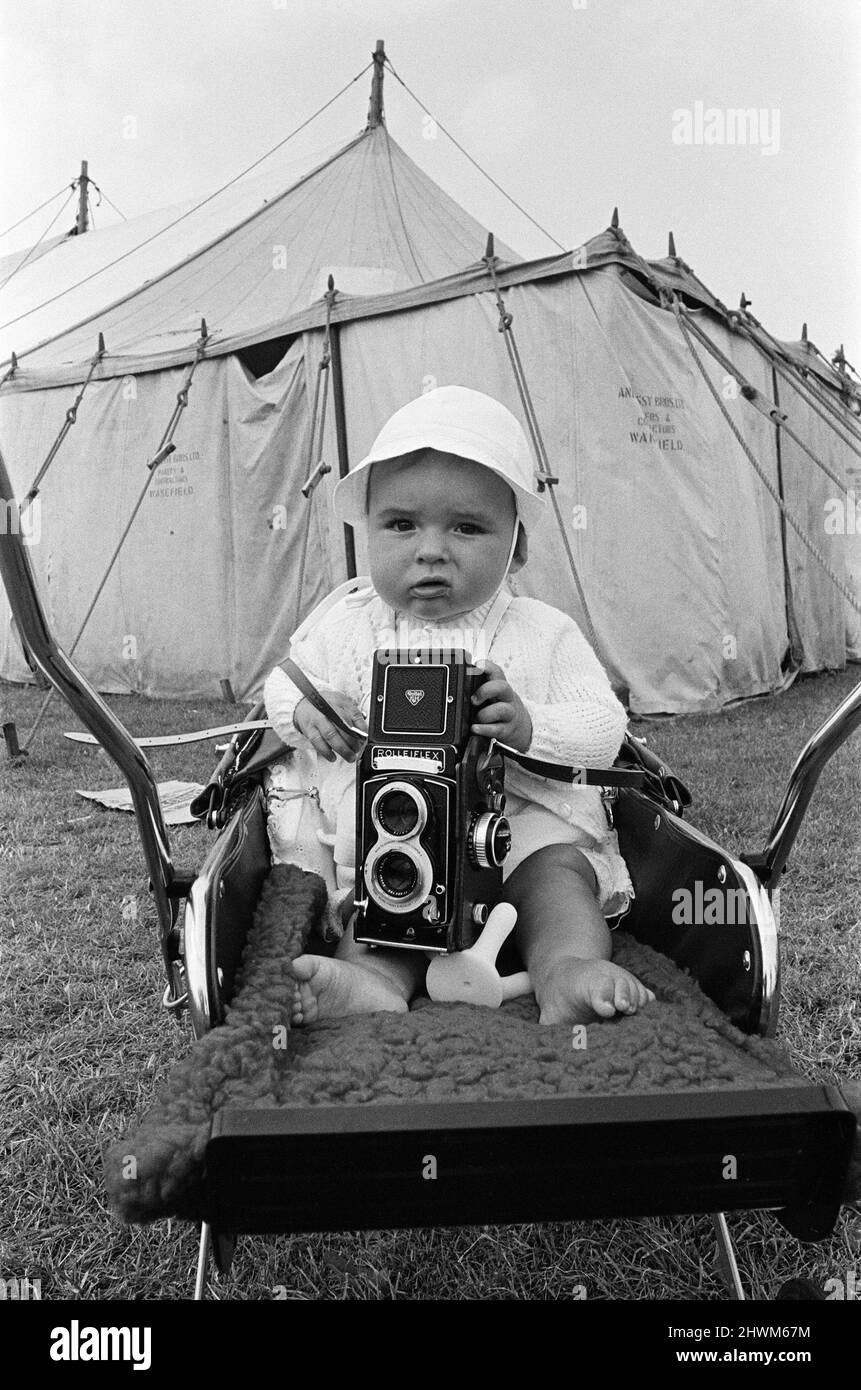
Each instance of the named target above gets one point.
<point>698,590</point>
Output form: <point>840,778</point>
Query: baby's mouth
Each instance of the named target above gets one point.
<point>430,588</point>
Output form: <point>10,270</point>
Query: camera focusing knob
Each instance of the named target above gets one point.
<point>488,840</point>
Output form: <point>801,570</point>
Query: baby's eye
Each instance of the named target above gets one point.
<point>469,528</point>
<point>399,523</point>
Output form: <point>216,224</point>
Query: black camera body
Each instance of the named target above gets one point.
<point>430,834</point>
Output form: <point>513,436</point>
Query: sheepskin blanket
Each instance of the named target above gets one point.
<point>682,1042</point>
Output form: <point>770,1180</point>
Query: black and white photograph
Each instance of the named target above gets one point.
<point>430,667</point>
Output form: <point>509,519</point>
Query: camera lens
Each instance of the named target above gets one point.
<point>399,809</point>
<point>396,874</point>
<point>397,812</point>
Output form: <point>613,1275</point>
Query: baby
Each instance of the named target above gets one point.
<point>447,496</point>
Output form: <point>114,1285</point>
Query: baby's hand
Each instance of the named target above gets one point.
<point>503,714</point>
<point>325,736</point>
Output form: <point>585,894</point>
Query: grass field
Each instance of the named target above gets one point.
<point>86,1046</point>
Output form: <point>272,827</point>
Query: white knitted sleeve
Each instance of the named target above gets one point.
<point>281,696</point>
<point>581,722</point>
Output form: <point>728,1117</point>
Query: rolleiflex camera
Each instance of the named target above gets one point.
<point>430,834</point>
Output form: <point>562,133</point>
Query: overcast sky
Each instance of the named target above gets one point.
<point>573,107</point>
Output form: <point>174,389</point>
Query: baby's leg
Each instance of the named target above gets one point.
<point>356,980</point>
<point>565,942</point>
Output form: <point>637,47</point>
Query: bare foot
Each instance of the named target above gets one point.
<point>331,988</point>
<point>581,991</point>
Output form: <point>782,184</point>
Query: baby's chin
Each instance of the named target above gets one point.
<point>438,610</point>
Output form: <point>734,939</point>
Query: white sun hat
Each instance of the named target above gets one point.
<point>454,420</point>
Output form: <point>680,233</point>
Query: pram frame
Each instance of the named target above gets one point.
<point>170,886</point>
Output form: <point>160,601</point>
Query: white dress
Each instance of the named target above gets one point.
<point>576,719</point>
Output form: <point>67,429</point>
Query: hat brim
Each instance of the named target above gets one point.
<point>349,499</point>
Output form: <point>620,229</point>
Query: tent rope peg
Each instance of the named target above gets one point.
<point>671,248</point>
<point>744,302</point>
<point>13,367</point>
<point>489,258</point>
<point>200,346</point>
<point>750,393</point>
<point>314,478</point>
<point>164,452</point>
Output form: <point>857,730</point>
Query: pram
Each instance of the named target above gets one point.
<point>784,1145</point>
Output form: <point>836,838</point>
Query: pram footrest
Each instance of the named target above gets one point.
<point>351,1167</point>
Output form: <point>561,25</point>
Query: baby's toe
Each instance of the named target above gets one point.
<point>625,996</point>
<point>601,998</point>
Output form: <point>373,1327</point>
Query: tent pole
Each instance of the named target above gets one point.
<point>375,110</point>
<point>792,629</point>
<point>81,222</point>
<point>341,436</point>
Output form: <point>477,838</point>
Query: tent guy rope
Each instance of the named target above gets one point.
<point>472,161</point>
<point>794,374</point>
<point>849,595</point>
<point>164,450</point>
<point>545,478</point>
<point>203,202</point>
<point>28,215</point>
<point>750,393</point>
<point>35,247</point>
<point>315,472</point>
<point>71,417</point>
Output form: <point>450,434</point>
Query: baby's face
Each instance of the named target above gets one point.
<point>439,533</point>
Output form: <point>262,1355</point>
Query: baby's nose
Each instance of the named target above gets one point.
<point>432,546</point>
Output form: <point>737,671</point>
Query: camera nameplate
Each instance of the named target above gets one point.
<point>399,759</point>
